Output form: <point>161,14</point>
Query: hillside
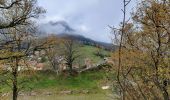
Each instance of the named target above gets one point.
<point>87,51</point>
<point>63,30</point>
<point>86,41</point>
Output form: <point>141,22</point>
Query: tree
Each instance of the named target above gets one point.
<point>26,8</point>
<point>17,36</point>
<point>12,3</point>
<point>119,35</point>
<point>53,52</point>
<point>70,53</point>
<point>144,72</point>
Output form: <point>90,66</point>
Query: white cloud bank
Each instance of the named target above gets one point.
<point>90,17</point>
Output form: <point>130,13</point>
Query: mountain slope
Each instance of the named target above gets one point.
<point>63,30</point>
<point>83,40</point>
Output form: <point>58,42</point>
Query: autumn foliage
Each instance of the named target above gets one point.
<point>145,53</point>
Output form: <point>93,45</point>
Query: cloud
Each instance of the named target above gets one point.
<point>90,17</point>
<point>51,18</point>
<point>82,28</point>
<point>56,27</point>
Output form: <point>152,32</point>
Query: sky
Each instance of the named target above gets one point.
<point>89,17</point>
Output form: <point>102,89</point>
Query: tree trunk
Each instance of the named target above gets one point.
<point>15,81</point>
<point>165,94</point>
<point>70,69</point>
<point>163,90</point>
<point>15,88</point>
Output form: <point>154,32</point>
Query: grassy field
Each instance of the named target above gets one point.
<point>85,81</point>
<point>86,51</point>
<point>44,81</point>
<point>67,97</point>
<point>48,80</point>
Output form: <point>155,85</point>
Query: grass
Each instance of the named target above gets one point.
<point>49,80</point>
<point>67,97</point>
<point>88,80</point>
<point>89,52</point>
<point>85,81</point>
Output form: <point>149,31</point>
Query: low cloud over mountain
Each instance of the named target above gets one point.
<point>57,27</point>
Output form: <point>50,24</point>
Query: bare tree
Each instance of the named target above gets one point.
<point>17,36</point>
<point>4,4</point>
<point>53,52</point>
<point>26,9</point>
<point>118,37</point>
<point>70,53</point>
